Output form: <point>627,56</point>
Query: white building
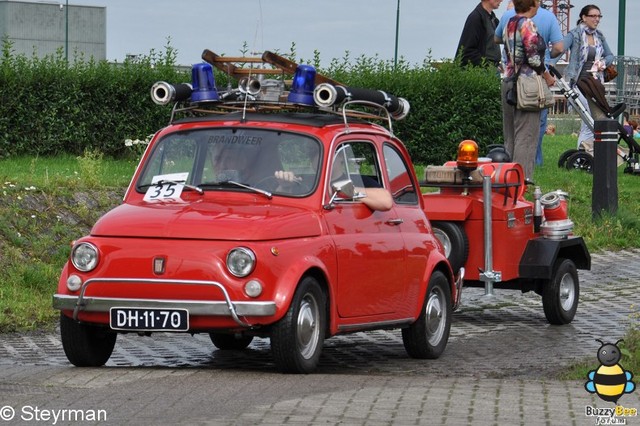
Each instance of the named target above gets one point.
<point>44,27</point>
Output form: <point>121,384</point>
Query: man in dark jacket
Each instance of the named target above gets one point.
<point>477,39</point>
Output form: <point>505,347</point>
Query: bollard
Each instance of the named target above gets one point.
<point>604,192</point>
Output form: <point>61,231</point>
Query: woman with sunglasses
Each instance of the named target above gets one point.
<point>589,56</point>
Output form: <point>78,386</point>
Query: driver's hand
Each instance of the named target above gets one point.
<point>286,176</point>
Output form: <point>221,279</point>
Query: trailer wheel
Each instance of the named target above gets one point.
<point>297,339</point>
<point>86,345</point>
<point>562,161</point>
<point>455,242</point>
<point>560,293</point>
<point>580,160</point>
<point>427,337</point>
<point>230,342</point>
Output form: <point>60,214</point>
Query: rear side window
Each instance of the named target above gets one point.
<point>402,188</point>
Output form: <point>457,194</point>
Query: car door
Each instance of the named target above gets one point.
<point>415,229</point>
<point>369,246</point>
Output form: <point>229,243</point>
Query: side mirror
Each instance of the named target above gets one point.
<point>343,187</point>
<point>346,189</point>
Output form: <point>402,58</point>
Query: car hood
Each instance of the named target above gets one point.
<point>210,221</point>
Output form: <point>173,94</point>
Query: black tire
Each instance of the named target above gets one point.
<point>427,337</point>
<point>560,294</point>
<point>562,161</point>
<point>297,339</point>
<point>230,342</point>
<point>455,242</point>
<point>580,161</point>
<point>86,345</point>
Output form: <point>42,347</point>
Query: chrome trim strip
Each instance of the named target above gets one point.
<point>81,302</point>
<point>375,325</point>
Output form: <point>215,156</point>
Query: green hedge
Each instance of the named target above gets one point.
<point>49,106</point>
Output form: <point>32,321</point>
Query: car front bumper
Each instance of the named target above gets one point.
<point>226,307</point>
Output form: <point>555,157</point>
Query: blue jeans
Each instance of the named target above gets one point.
<point>543,128</point>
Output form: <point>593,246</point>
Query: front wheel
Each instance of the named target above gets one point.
<point>560,293</point>
<point>580,160</point>
<point>297,339</point>
<point>427,337</point>
<point>86,345</point>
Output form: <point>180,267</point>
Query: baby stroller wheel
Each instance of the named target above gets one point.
<point>581,161</point>
<point>562,161</point>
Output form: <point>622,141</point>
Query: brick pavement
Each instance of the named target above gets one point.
<point>499,368</point>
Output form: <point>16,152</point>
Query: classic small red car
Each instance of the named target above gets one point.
<point>255,223</point>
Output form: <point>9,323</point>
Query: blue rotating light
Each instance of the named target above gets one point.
<point>204,85</point>
<point>302,86</point>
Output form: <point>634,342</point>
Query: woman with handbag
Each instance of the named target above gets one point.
<point>525,50</point>
<point>590,56</point>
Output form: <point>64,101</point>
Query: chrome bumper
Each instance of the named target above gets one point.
<point>459,283</point>
<point>195,307</point>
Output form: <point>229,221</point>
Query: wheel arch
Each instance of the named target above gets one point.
<point>541,253</point>
<point>289,280</point>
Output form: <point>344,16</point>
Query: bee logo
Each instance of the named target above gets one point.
<point>610,381</point>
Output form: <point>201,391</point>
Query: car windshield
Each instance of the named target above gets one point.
<point>219,159</point>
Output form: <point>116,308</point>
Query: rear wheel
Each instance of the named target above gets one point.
<point>562,161</point>
<point>580,161</point>
<point>231,342</point>
<point>297,339</point>
<point>86,345</point>
<point>560,293</point>
<point>454,241</point>
<point>427,337</point>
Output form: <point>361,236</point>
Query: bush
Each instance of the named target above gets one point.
<point>51,107</point>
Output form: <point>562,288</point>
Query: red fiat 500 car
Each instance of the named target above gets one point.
<point>253,224</point>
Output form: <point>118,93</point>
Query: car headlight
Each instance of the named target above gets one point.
<point>241,261</point>
<point>84,257</point>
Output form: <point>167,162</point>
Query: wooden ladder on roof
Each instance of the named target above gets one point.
<point>280,66</point>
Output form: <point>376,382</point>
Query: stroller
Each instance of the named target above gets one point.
<point>582,158</point>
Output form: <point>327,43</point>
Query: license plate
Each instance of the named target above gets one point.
<point>149,319</point>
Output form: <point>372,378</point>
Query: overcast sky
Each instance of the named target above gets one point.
<point>330,26</point>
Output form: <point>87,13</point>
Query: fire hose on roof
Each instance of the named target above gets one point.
<point>327,95</point>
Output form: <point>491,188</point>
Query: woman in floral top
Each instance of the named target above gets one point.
<point>524,49</point>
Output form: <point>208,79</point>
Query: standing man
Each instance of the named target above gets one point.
<point>477,39</point>
<point>549,29</point>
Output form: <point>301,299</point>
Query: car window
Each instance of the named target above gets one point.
<point>401,186</point>
<point>358,162</point>
<point>214,157</point>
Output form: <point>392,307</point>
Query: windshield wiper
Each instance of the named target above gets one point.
<point>241,185</point>
<point>175,182</point>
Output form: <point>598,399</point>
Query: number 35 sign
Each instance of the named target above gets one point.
<point>166,187</point>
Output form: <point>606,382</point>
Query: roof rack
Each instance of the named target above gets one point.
<point>272,83</point>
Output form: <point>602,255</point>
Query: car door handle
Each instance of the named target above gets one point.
<point>395,221</point>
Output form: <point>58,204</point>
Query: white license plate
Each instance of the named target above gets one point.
<point>149,319</point>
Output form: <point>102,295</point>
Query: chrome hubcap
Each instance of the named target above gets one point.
<point>444,240</point>
<point>435,317</point>
<point>567,292</point>
<point>307,330</point>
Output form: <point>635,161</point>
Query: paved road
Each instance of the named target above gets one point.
<point>499,368</point>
